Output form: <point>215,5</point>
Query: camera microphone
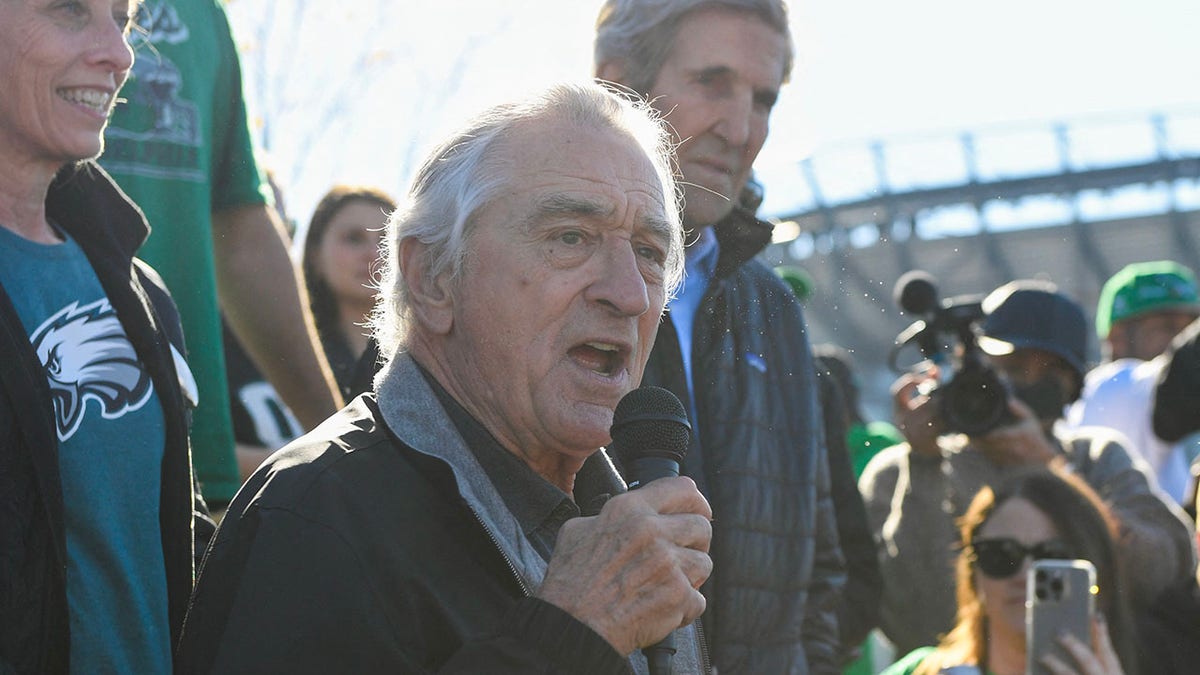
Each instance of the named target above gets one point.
<point>973,398</point>
<point>916,293</point>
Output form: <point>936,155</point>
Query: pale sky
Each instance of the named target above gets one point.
<point>865,70</point>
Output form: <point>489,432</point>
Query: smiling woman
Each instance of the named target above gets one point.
<point>61,64</point>
<point>94,460</point>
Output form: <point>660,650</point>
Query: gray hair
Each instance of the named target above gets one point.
<point>639,34</point>
<point>462,174</point>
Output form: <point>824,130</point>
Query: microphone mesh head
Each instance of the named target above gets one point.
<point>916,292</point>
<point>650,422</point>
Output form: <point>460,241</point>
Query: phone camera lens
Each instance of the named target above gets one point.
<point>1056,586</point>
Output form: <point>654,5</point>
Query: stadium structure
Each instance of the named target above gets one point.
<point>1066,202</point>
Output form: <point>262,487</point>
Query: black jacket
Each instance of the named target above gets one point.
<point>376,544</point>
<point>1177,392</point>
<point>34,621</point>
<point>759,457</point>
<point>858,611</point>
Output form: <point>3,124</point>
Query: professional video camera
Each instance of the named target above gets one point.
<point>971,396</point>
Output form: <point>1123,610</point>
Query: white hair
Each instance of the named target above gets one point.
<point>639,34</point>
<point>462,174</point>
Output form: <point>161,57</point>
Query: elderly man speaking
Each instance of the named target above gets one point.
<point>458,520</point>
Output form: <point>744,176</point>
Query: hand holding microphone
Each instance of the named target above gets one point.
<point>633,572</point>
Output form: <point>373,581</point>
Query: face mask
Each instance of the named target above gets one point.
<point>1045,397</point>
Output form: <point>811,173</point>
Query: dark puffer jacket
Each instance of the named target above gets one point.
<point>759,456</point>
<point>34,620</point>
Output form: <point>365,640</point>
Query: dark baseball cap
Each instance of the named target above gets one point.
<point>1033,314</point>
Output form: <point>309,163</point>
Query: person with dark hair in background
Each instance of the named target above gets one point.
<point>1036,339</point>
<point>851,443</point>
<point>99,521</point>
<point>179,145</point>
<point>1035,514</point>
<point>341,249</point>
<point>463,517</point>
<point>864,439</point>
<point>734,346</point>
<point>858,609</point>
<point>340,252</point>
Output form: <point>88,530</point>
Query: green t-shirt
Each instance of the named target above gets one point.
<point>181,148</point>
<point>909,663</point>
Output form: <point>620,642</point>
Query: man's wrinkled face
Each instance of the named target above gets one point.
<point>562,288</point>
<point>717,88</point>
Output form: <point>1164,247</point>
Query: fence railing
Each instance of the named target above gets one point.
<point>1005,177</point>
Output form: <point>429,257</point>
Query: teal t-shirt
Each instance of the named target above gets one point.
<point>111,438</point>
<point>181,148</point>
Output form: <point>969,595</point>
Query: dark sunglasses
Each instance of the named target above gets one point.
<point>1001,558</point>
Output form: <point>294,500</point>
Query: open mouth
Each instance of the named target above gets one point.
<point>604,358</point>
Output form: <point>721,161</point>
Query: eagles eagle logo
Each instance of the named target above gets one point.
<point>87,356</point>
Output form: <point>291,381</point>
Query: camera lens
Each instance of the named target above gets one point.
<point>975,401</point>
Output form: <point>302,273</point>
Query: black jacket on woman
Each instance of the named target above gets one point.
<point>34,620</point>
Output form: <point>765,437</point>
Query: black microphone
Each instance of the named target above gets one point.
<point>916,292</point>
<point>650,434</point>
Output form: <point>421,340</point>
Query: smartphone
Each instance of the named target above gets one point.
<point>1059,598</point>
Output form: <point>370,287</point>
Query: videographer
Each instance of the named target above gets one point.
<point>1032,346</point>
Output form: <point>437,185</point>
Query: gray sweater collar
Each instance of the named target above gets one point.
<point>412,412</point>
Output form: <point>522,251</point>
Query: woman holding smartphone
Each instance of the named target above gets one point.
<point>1036,514</point>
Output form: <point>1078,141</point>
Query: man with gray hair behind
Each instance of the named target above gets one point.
<point>462,517</point>
<point>735,346</point>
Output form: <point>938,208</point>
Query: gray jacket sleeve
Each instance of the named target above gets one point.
<point>1156,541</point>
<point>910,514</point>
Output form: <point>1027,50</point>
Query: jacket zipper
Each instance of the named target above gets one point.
<point>503,556</point>
<point>705,664</point>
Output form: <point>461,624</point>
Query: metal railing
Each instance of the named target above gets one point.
<point>995,179</point>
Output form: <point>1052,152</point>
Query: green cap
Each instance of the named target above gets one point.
<point>800,281</point>
<point>1144,287</point>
